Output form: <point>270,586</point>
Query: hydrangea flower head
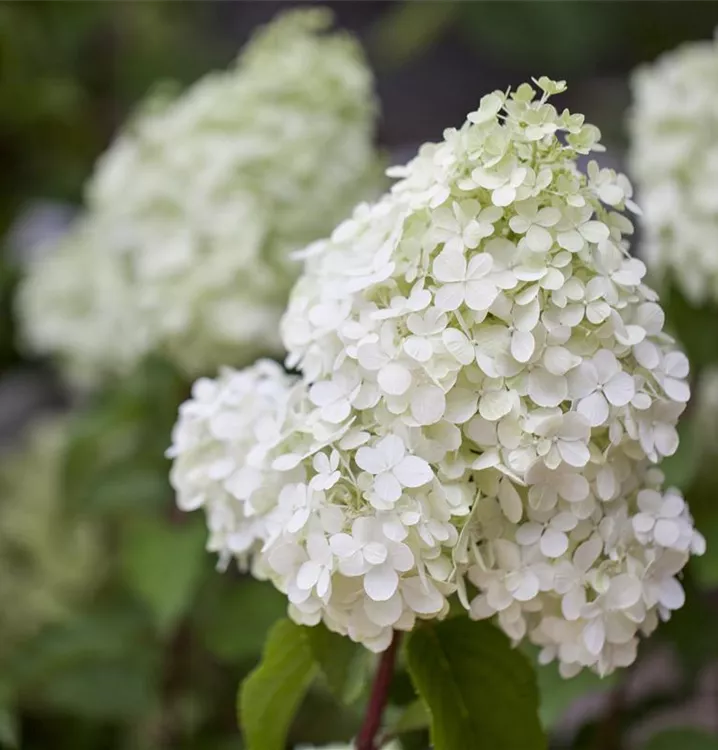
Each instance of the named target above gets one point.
<point>204,196</point>
<point>485,389</point>
<point>675,162</point>
<point>77,303</point>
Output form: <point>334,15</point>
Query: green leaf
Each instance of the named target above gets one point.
<point>341,661</point>
<point>413,718</point>
<point>234,615</point>
<point>105,690</point>
<point>101,665</point>
<point>685,739</point>
<point>162,563</point>
<point>9,730</point>
<point>270,696</point>
<point>480,692</point>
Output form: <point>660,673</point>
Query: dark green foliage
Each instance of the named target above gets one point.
<point>343,663</point>
<point>479,691</point>
<point>683,739</point>
<point>270,696</point>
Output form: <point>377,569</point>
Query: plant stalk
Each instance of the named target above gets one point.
<point>367,737</point>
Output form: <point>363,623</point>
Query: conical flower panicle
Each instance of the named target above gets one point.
<point>486,388</point>
<point>674,158</point>
<point>199,202</point>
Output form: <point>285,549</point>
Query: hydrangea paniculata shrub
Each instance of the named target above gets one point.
<point>203,197</point>
<point>485,392</point>
<point>674,157</point>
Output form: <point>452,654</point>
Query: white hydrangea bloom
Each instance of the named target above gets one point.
<point>675,162</point>
<point>218,445</point>
<point>77,303</point>
<point>486,329</point>
<point>485,385</point>
<point>204,197</point>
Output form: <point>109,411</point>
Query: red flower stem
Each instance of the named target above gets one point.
<point>366,740</point>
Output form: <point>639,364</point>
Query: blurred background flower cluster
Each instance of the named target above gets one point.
<point>116,632</point>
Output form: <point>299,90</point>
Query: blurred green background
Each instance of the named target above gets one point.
<point>131,640</point>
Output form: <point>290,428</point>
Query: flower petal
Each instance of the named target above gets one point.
<point>421,596</point>
<point>678,390</point>
<point>428,404</point>
<point>458,345</point>
<point>546,389</point>
<point>384,612</point>
<point>496,404</point>
<point>387,488</point>
<point>594,231</point>
<point>574,453</point>
<point>666,532</point>
<point>510,501</point>
<point>381,582</point>
<point>480,295</point>
<point>620,389</point>
<point>671,594</point>
<point>418,348</point>
<point>394,379</point>
<point>582,380</point>
<point>479,266</point>
<point>450,296</point>
<point>594,636</point>
<point>413,471</point>
<point>449,266</point>
<point>553,543</point>
<point>522,345</point>
<point>594,408</point>
<point>538,239</point>
<point>371,460</point>
<point>623,592</point>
